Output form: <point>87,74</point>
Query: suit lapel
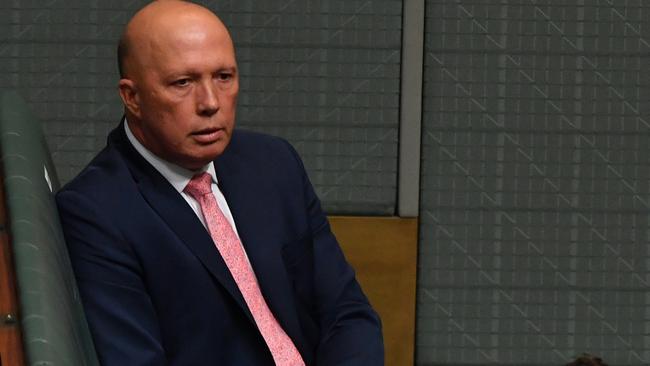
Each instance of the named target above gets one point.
<point>173,209</point>
<point>240,185</point>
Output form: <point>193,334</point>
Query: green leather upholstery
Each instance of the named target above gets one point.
<point>52,321</point>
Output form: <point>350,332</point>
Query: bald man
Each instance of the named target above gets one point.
<point>194,244</point>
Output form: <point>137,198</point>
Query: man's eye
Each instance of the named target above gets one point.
<point>224,76</point>
<point>182,82</point>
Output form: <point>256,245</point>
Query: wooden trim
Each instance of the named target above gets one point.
<point>11,348</point>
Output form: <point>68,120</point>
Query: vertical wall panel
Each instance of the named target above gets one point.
<point>535,183</point>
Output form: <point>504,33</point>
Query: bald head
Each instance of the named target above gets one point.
<point>155,20</point>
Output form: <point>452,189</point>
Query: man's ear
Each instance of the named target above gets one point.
<point>130,97</point>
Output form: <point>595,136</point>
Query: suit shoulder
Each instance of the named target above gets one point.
<point>105,173</point>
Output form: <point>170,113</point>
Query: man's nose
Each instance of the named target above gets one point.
<point>207,98</point>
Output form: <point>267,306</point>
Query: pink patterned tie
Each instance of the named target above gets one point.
<point>282,348</point>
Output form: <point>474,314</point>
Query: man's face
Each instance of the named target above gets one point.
<point>186,89</point>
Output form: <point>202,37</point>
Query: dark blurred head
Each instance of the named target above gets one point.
<point>587,360</point>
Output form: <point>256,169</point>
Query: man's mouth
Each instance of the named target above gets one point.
<point>208,135</point>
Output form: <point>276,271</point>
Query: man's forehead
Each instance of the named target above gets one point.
<point>184,58</point>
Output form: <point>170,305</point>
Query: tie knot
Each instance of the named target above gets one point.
<point>199,185</point>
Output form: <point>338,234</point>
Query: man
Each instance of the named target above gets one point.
<point>194,244</point>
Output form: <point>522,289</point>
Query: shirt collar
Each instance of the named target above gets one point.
<point>177,176</point>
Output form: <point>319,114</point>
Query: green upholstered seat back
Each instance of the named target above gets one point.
<point>54,328</point>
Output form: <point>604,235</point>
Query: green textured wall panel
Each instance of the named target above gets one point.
<point>54,328</point>
<point>535,232</point>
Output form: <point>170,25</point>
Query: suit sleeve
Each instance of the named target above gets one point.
<point>120,314</point>
<point>350,329</point>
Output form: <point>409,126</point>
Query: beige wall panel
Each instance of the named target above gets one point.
<point>383,251</point>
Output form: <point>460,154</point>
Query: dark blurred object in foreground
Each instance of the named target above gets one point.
<point>587,360</point>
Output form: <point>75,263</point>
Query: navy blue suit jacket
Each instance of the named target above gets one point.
<point>156,291</point>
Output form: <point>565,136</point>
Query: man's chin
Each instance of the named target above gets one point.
<point>197,162</point>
